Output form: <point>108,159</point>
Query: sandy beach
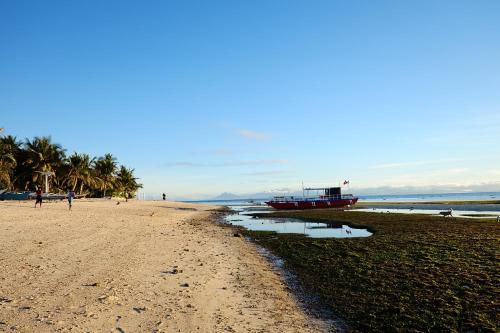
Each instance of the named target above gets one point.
<point>135,267</point>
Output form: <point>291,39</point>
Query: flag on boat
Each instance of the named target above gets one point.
<point>346,182</point>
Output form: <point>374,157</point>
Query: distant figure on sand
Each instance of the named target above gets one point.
<point>164,196</point>
<point>38,196</point>
<point>449,212</point>
<point>70,196</point>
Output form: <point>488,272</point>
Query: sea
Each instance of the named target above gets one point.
<point>429,197</point>
<point>242,208</point>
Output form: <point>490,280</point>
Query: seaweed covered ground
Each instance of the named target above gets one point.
<point>416,273</point>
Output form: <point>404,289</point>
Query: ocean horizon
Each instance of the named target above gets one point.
<point>418,197</point>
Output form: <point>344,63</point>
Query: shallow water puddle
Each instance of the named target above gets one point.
<point>295,226</point>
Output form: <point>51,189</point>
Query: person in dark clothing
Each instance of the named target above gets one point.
<point>70,196</point>
<point>38,197</point>
<point>164,197</point>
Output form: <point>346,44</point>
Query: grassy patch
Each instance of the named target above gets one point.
<point>417,272</point>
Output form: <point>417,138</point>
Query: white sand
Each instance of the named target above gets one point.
<point>110,268</point>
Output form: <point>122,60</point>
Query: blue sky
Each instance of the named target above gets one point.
<point>204,97</point>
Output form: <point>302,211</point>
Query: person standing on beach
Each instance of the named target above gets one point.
<point>164,196</point>
<point>70,196</point>
<point>38,196</point>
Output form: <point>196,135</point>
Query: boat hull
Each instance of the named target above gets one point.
<point>14,196</point>
<point>311,204</point>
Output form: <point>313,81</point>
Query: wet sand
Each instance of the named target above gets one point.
<point>135,267</point>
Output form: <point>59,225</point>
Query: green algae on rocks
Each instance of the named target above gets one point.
<point>416,273</point>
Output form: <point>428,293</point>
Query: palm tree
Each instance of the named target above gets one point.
<point>22,162</point>
<point>105,168</point>
<point>126,181</point>
<point>43,155</point>
<point>7,164</point>
<point>11,144</point>
<point>12,156</point>
<point>79,171</point>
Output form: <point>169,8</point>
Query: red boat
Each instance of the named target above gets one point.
<point>331,198</point>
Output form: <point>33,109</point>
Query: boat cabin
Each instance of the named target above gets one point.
<point>320,193</point>
<point>326,192</point>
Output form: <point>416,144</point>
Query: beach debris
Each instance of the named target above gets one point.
<point>184,285</point>
<point>119,329</point>
<point>92,315</point>
<point>94,284</point>
<point>102,298</point>
<point>236,235</point>
<point>117,203</point>
<point>24,307</point>
<point>152,214</point>
<point>139,310</point>
<point>4,299</point>
<point>173,271</point>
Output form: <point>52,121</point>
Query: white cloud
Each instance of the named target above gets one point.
<point>265,173</point>
<point>248,134</point>
<point>494,173</point>
<point>420,189</point>
<point>183,164</point>
<point>410,164</point>
<point>397,165</point>
<point>222,152</point>
<point>226,164</point>
<point>456,170</point>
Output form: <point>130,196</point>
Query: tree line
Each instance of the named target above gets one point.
<point>21,164</point>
